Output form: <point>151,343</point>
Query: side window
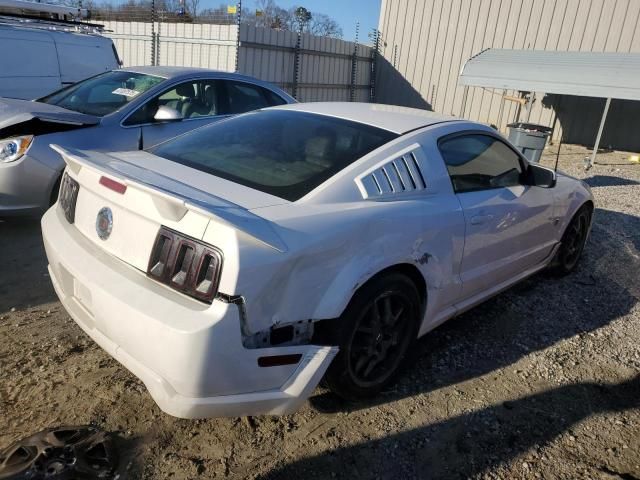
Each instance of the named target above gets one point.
<point>480,162</point>
<point>243,97</point>
<point>190,99</point>
<point>273,98</point>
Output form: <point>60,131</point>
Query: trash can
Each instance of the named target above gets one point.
<point>529,138</point>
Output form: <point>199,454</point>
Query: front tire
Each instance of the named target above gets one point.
<point>375,333</point>
<point>573,242</point>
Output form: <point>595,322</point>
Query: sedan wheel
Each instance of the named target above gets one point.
<point>573,242</point>
<point>375,334</point>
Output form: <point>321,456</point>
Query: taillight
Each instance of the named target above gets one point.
<point>68,197</point>
<point>185,264</point>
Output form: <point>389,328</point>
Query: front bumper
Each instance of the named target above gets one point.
<point>25,187</point>
<point>189,355</point>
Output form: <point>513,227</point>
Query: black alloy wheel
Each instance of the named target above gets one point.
<point>573,242</point>
<point>375,334</point>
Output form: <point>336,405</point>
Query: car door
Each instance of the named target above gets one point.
<point>509,226</point>
<point>195,103</point>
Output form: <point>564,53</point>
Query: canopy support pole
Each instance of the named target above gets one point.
<point>600,129</point>
<point>464,100</point>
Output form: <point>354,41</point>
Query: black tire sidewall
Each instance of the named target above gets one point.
<point>560,267</point>
<point>338,377</point>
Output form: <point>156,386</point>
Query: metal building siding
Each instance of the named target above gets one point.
<point>426,42</point>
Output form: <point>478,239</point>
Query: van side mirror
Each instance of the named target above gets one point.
<point>539,176</point>
<point>167,114</point>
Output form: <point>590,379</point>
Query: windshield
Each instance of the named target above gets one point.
<point>103,94</point>
<point>281,152</point>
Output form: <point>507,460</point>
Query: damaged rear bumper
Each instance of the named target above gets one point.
<point>188,354</point>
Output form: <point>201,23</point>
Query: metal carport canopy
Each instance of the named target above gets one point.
<point>588,74</point>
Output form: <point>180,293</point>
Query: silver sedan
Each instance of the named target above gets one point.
<point>127,109</point>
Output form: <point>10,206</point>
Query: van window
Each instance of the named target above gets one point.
<point>82,58</point>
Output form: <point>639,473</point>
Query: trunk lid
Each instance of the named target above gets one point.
<point>150,192</point>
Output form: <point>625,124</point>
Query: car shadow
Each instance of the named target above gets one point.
<point>529,317</point>
<point>466,445</point>
<point>608,181</point>
<point>25,280</point>
<point>619,131</point>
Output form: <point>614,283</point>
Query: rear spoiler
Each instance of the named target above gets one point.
<point>173,199</point>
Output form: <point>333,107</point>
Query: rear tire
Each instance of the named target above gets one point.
<point>572,244</point>
<point>375,333</point>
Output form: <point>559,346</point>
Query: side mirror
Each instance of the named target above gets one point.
<point>539,176</point>
<point>167,114</point>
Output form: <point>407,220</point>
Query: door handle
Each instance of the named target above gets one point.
<point>480,219</point>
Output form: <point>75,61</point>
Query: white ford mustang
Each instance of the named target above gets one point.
<point>233,267</point>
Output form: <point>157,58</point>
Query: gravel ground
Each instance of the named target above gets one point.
<point>542,381</point>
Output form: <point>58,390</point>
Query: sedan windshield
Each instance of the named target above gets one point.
<point>281,152</point>
<point>103,94</point>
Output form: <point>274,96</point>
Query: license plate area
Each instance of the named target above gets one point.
<point>68,197</point>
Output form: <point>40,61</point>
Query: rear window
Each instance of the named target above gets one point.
<point>283,153</point>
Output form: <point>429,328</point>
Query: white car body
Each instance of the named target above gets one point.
<point>286,263</point>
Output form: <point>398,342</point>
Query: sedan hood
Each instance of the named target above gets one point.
<point>14,112</point>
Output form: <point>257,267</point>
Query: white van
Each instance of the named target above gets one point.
<point>40,57</point>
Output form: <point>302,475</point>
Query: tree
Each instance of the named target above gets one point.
<point>301,17</point>
<point>192,7</point>
<point>324,26</point>
<point>269,15</point>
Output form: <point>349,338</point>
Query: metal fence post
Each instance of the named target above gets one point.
<point>374,59</point>
<point>158,44</point>
<point>354,67</point>
<point>153,32</point>
<point>238,22</point>
<point>296,65</point>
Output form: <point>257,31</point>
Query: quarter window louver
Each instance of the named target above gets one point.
<point>402,174</point>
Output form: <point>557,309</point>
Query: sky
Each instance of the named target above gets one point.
<point>345,12</point>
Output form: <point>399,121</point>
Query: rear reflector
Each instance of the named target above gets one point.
<point>113,185</point>
<point>276,360</point>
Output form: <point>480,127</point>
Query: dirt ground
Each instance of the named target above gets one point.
<point>542,381</point>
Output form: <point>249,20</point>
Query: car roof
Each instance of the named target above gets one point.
<point>169,72</point>
<point>187,73</point>
<point>388,117</point>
